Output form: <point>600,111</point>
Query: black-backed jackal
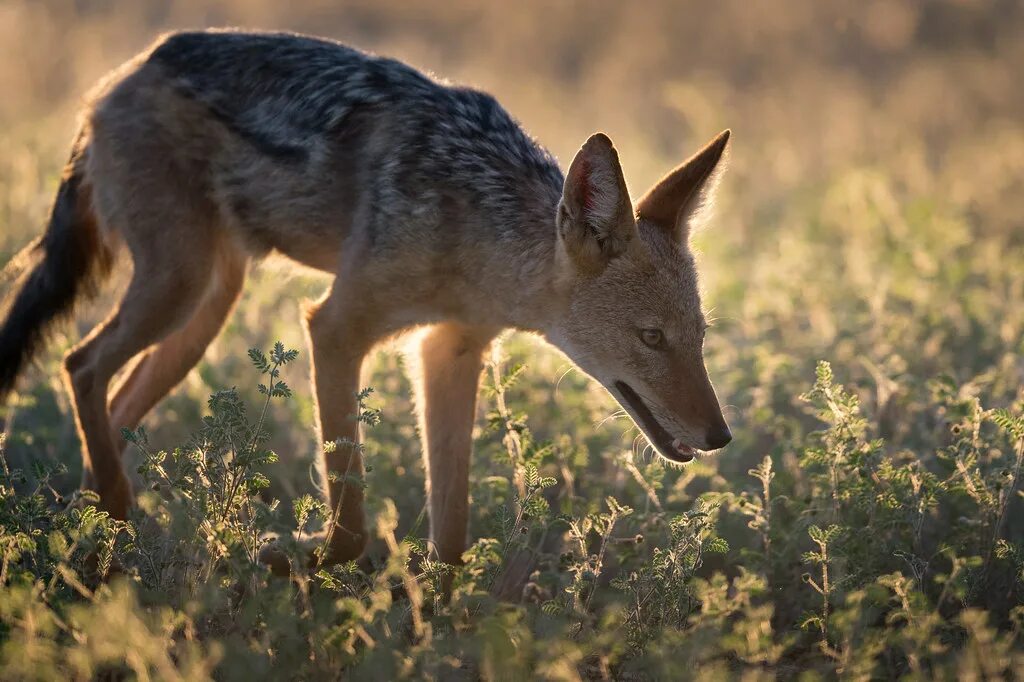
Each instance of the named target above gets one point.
<point>428,203</point>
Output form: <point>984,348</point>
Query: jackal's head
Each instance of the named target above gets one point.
<point>634,319</point>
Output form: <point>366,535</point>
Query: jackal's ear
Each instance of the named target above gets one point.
<point>595,217</point>
<point>680,196</point>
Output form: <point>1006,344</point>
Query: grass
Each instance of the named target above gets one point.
<point>864,270</point>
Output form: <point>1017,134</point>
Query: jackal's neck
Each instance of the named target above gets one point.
<point>532,266</point>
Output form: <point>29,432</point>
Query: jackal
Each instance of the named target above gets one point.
<point>427,202</point>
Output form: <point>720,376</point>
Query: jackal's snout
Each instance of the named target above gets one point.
<point>718,436</point>
<point>702,412</point>
<point>695,414</point>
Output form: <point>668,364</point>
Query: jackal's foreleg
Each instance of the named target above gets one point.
<point>342,329</point>
<point>449,374</point>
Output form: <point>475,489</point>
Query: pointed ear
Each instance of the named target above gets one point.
<point>681,195</point>
<point>595,217</point>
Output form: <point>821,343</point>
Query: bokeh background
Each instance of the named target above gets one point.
<point>877,160</point>
<point>872,215</point>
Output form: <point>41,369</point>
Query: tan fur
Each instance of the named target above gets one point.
<point>194,201</point>
<point>450,362</point>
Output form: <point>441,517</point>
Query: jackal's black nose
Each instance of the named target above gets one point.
<point>718,436</point>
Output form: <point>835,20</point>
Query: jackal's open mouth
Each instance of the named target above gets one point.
<point>668,447</point>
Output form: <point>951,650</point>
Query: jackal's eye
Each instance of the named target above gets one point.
<point>652,337</point>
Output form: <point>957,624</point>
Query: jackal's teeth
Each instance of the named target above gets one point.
<point>684,449</point>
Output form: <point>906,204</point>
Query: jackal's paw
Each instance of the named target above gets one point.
<point>116,497</point>
<point>281,554</point>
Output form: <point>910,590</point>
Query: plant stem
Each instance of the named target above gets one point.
<point>1005,504</point>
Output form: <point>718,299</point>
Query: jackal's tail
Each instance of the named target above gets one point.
<point>52,272</point>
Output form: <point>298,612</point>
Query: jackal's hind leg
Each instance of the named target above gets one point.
<point>165,365</point>
<point>450,365</point>
<point>156,303</point>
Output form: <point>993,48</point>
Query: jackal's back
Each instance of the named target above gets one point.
<point>312,135</point>
<point>293,89</point>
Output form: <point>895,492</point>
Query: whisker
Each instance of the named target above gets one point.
<point>734,409</point>
<point>564,374</point>
<point>632,449</point>
<point>647,456</point>
<point>618,414</point>
<point>729,318</point>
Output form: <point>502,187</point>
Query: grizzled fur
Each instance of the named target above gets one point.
<point>453,155</point>
<point>429,204</point>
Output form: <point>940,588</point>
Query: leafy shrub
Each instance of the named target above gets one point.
<point>860,561</point>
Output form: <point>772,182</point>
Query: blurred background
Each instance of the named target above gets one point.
<point>872,214</point>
